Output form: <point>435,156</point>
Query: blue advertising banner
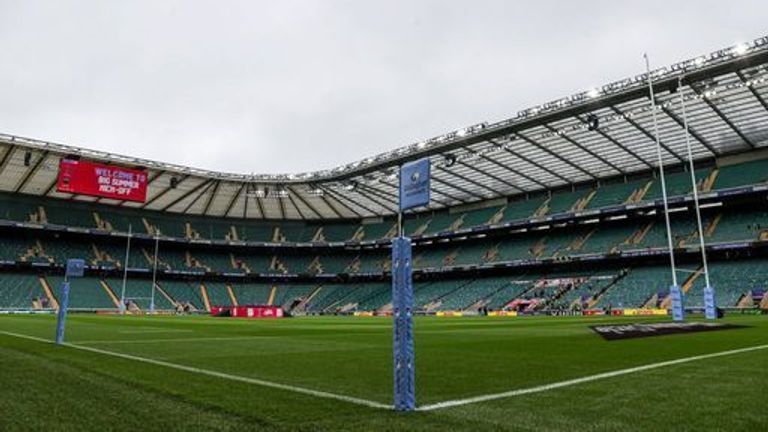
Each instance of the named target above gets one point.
<point>75,268</point>
<point>677,303</point>
<point>414,184</point>
<point>710,307</point>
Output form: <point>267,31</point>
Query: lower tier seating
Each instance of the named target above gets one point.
<point>19,291</point>
<point>86,293</point>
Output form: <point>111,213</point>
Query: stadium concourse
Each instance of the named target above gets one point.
<point>556,210</point>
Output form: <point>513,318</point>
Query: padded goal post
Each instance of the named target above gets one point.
<point>75,269</point>
<point>402,314</point>
<point>414,192</point>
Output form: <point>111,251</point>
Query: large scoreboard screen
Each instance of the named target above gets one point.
<point>101,180</point>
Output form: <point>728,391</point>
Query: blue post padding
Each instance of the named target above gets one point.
<point>710,305</point>
<point>62,318</point>
<point>678,314</point>
<point>402,315</point>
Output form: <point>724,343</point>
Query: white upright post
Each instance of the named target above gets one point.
<point>708,288</point>
<point>154,274</point>
<point>125,268</point>
<point>675,289</point>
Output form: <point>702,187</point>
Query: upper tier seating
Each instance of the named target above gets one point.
<point>25,208</point>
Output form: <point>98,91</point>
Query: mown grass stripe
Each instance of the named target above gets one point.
<point>586,379</point>
<point>215,374</point>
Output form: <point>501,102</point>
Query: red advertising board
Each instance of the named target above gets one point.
<point>107,181</point>
<point>248,311</point>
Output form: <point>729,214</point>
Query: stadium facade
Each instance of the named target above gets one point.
<point>556,209</point>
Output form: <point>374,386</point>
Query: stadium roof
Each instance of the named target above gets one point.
<point>599,133</point>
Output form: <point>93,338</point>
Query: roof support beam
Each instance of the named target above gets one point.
<point>374,193</point>
<point>234,200</point>
<point>211,197</point>
<point>469,180</point>
<point>200,195</point>
<point>536,164</point>
<point>186,194</point>
<point>453,197</point>
<point>752,90</point>
<point>510,169</point>
<point>584,149</point>
<point>723,117</point>
<point>646,133</point>
<point>555,155</point>
<point>51,185</point>
<point>493,176</point>
<point>260,206</point>
<point>31,172</point>
<point>293,203</point>
<point>338,196</point>
<point>389,198</point>
<point>328,203</point>
<point>306,203</point>
<point>340,200</point>
<point>281,206</point>
<point>6,158</point>
<point>691,131</point>
<point>245,206</point>
<point>165,191</point>
<point>618,144</point>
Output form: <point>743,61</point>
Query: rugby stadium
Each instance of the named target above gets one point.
<point>540,227</point>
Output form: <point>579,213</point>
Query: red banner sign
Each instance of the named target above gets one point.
<point>248,311</point>
<point>107,181</point>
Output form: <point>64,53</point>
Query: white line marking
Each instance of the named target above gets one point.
<point>372,404</point>
<point>547,387</point>
<point>215,374</point>
<point>149,341</point>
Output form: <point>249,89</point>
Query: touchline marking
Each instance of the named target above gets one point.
<point>254,381</point>
<point>568,383</point>
<point>372,404</point>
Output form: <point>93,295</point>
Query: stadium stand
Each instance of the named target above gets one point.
<point>512,226</point>
<point>89,292</point>
<point>21,291</point>
<point>184,293</point>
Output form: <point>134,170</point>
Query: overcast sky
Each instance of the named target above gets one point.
<point>286,86</point>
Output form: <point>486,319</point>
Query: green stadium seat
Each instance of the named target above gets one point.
<point>18,291</point>
<point>87,293</point>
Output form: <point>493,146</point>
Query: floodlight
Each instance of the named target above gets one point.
<point>593,122</point>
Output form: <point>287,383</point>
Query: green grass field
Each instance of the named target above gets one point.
<point>45,387</point>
